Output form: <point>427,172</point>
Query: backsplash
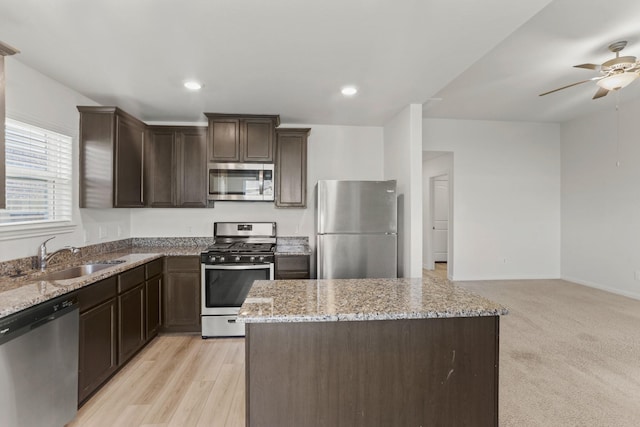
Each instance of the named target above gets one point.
<point>21,266</point>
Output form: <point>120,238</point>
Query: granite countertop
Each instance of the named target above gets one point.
<point>23,292</point>
<point>284,301</point>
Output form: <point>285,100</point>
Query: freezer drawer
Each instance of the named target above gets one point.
<point>356,256</point>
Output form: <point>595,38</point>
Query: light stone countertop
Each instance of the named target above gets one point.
<point>283,301</point>
<point>20,293</point>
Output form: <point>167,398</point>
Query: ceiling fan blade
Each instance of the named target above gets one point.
<point>600,93</point>
<point>589,66</point>
<point>564,87</point>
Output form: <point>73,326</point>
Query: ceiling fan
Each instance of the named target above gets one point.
<point>615,73</point>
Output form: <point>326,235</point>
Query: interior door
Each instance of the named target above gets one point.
<point>440,219</point>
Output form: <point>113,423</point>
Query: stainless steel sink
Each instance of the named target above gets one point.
<point>79,271</point>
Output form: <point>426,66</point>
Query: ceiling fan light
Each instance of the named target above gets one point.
<point>617,81</point>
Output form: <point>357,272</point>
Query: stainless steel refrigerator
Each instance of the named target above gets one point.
<point>357,232</point>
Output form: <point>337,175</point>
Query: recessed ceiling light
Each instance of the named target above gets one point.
<point>192,85</point>
<point>349,90</point>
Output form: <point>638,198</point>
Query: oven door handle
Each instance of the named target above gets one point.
<point>238,267</point>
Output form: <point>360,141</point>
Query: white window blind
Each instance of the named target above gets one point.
<point>38,171</point>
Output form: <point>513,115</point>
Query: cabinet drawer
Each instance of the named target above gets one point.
<point>292,262</point>
<point>153,268</point>
<point>131,278</point>
<point>183,263</point>
<point>292,275</point>
<point>95,294</point>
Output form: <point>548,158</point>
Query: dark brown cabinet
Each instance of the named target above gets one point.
<point>291,168</point>
<point>292,267</point>
<point>181,294</point>
<point>118,316</point>
<point>241,138</point>
<point>112,147</point>
<point>153,300</point>
<point>176,167</point>
<point>98,358</point>
<point>131,317</point>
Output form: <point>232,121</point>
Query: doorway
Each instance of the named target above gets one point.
<point>438,213</point>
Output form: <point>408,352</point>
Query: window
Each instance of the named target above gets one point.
<point>38,170</point>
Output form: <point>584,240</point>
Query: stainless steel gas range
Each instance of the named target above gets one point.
<point>242,252</point>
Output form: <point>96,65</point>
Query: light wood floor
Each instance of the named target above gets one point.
<point>178,381</point>
<point>569,356</point>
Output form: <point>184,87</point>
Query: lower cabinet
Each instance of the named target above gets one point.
<point>118,316</point>
<point>154,314</point>
<point>181,294</point>
<point>289,267</point>
<point>98,347</point>
<point>131,328</point>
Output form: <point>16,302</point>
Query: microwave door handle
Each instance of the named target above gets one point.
<point>261,180</point>
<point>238,267</point>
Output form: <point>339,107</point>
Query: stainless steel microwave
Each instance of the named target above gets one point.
<point>241,181</point>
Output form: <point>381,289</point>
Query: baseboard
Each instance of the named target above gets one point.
<point>634,295</point>
<point>519,277</point>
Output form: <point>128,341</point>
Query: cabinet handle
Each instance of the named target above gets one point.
<point>231,320</point>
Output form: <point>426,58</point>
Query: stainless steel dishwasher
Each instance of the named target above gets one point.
<point>39,365</point>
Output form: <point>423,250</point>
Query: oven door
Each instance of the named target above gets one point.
<point>225,287</point>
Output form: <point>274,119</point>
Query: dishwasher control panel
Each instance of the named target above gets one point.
<point>24,320</point>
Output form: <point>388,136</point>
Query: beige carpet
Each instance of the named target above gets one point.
<point>569,354</point>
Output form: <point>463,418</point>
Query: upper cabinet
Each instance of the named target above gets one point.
<point>112,149</point>
<point>241,137</point>
<point>291,167</point>
<point>176,167</point>
<point>5,50</point>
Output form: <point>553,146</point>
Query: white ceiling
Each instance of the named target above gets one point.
<point>539,56</point>
<point>486,59</point>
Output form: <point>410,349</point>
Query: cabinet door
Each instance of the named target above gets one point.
<point>224,140</point>
<point>257,140</point>
<point>181,302</point>
<point>292,267</point>
<point>192,168</point>
<point>129,180</point>
<point>161,169</point>
<point>152,305</point>
<point>97,349</point>
<point>131,328</point>
<point>291,168</point>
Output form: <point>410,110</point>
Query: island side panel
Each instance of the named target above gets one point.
<point>440,371</point>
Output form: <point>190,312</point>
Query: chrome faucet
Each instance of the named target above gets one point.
<point>43,258</point>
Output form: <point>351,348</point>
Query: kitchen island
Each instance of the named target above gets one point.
<point>370,352</point>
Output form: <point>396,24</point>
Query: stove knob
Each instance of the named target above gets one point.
<point>212,258</point>
<point>237,259</point>
<point>261,259</point>
<point>221,259</point>
<point>252,259</point>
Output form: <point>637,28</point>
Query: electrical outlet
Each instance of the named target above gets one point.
<point>637,275</point>
<point>102,232</point>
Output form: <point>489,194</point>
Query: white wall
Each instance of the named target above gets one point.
<point>506,196</point>
<point>33,98</point>
<point>601,201</point>
<point>333,152</point>
<point>431,168</point>
<point>403,162</point>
